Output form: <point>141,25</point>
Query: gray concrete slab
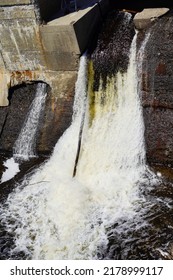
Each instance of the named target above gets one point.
<point>14,2</point>
<point>144,19</point>
<point>71,18</point>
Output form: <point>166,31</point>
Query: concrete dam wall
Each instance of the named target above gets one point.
<point>32,51</point>
<point>40,42</point>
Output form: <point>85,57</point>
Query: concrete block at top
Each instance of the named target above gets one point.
<point>143,19</point>
<point>55,46</point>
<point>14,2</point>
<point>86,26</point>
<point>59,39</point>
<point>73,32</point>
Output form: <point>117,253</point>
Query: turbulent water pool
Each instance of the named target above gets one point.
<point>154,240</point>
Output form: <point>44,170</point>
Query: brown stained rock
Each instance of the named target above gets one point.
<point>159,135</point>
<point>161,69</point>
<point>58,111</point>
<point>157,92</point>
<point>145,82</point>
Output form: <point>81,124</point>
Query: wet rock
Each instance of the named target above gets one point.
<point>157,92</point>
<point>57,114</point>
<point>159,134</point>
<point>13,116</point>
<point>112,52</point>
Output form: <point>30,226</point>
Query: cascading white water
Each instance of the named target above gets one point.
<point>55,216</point>
<point>24,145</point>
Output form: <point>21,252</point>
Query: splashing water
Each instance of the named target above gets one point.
<point>11,171</point>
<point>24,145</point>
<point>55,216</point>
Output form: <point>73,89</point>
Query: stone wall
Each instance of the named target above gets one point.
<point>157,89</point>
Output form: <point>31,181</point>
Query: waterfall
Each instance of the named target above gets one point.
<point>114,142</point>
<point>24,145</point>
<point>56,216</point>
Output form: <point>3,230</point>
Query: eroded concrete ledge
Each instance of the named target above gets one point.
<point>144,19</point>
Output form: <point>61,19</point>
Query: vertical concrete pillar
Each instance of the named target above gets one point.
<point>4,82</point>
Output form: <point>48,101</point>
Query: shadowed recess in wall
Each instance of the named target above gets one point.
<point>20,98</point>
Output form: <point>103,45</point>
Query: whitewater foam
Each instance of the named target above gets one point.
<point>56,216</point>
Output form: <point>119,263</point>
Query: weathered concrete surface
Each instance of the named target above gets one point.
<point>61,51</point>
<point>4,83</point>
<point>144,19</point>
<point>30,52</point>
<point>157,89</point>
<point>20,45</point>
<point>26,47</point>
<point>14,2</point>
<point>73,31</point>
<point>17,12</point>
